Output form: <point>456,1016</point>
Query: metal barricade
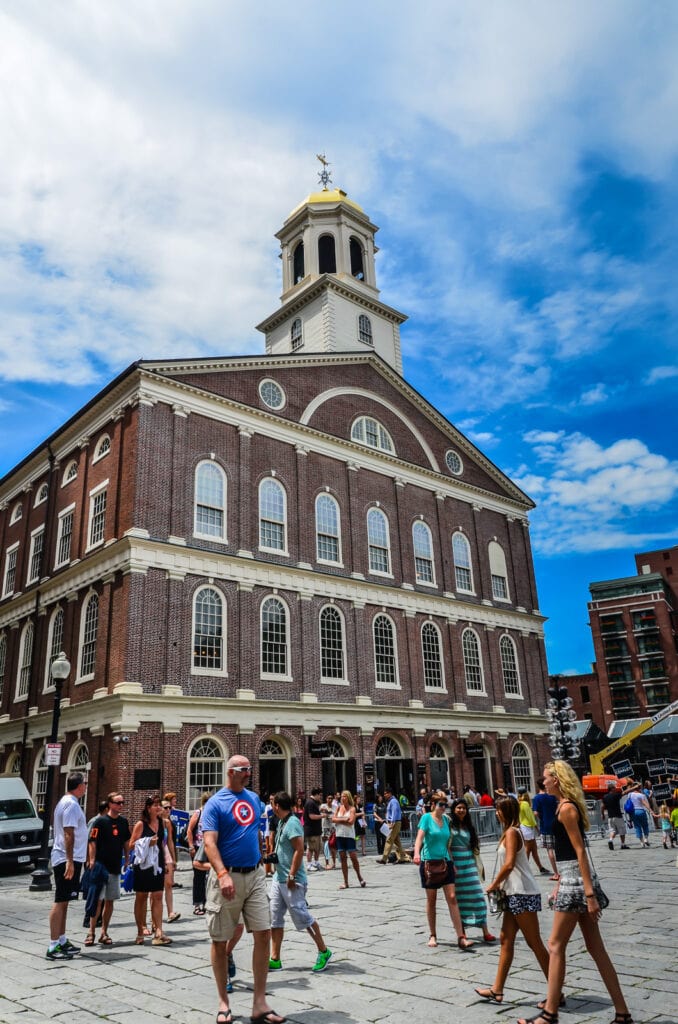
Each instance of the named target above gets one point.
<point>598,825</point>
<point>486,824</point>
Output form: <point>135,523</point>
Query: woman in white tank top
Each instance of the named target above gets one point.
<point>523,898</point>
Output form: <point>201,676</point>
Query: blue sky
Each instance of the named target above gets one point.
<point>521,160</point>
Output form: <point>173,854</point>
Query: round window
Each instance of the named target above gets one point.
<point>453,462</point>
<point>272,394</point>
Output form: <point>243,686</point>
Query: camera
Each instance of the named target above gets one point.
<point>272,858</point>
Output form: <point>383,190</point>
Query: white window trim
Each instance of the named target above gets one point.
<point>38,499</point>
<point>221,673</point>
<point>474,693</point>
<point>372,447</point>
<point>443,686</point>
<point>62,515</point>
<point>31,551</point>
<point>333,680</point>
<point>511,696</point>
<point>224,758</point>
<point>92,495</point>
<point>386,686</point>
<point>379,572</point>
<point>81,638</point>
<point>98,455</point>
<point>9,550</point>
<point>463,590</point>
<point>210,536</point>
<point>328,561</point>
<point>20,659</point>
<point>17,513</point>
<point>64,481</point>
<point>283,552</point>
<point>284,677</point>
<point>424,583</point>
<point>270,380</point>
<point>48,685</point>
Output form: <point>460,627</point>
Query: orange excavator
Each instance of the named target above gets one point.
<point>595,784</point>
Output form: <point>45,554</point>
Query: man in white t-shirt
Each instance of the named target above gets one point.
<point>69,853</point>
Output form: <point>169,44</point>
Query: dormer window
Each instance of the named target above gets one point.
<point>327,259</point>
<point>296,336</point>
<point>365,330</point>
<point>356,254</point>
<point>370,432</point>
<point>298,273</point>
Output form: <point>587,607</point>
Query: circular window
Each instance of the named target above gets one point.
<point>272,394</point>
<point>453,462</point>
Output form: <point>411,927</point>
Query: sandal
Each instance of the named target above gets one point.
<point>489,938</point>
<point>490,995</point>
<point>105,940</point>
<point>161,940</point>
<point>549,1018</point>
<point>561,1004</point>
<point>199,912</point>
<point>174,916</point>
<point>139,941</point>
<point>465,945</point>
<point>622,1018</point>
<point>89,941</point>
<point>363,883</point>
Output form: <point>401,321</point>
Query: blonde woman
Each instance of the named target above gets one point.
<point>578,897</point>
<point>523,898</point>
<point>433,844</point>
<point>529,828</point>
<point>344,823</point>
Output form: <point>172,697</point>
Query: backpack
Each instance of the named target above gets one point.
<point>628,806</point>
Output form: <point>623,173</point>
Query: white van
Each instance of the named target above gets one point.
<point>20,826</point>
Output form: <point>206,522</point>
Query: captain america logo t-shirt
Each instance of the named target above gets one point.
<point>235,817</point>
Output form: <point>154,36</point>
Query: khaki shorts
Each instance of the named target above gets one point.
<point>250,900</point>
<point>314,844</point>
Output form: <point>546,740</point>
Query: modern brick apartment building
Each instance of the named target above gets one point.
<point>256,554</point>
<point>633,623</point>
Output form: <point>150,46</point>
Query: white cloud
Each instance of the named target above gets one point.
<point>591,496</point>
<point>660,373</point>
<point>594,395</point>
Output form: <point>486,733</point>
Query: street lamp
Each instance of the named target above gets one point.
<point>42,876</point>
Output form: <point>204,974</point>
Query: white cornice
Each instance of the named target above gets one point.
<point>327,282</point>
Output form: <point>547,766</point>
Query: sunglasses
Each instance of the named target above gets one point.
<point>245,770</point>
<point>441,803</point>
<point>117,801</point>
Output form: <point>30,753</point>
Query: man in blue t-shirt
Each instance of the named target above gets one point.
<point>544,807</point>
<point>237,885</point>
<point>394,816</point>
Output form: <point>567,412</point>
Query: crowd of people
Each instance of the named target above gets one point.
<point>235,841</point>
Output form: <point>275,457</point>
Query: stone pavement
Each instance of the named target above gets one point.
<point>382,971</point>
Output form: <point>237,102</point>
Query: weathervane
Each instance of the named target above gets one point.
<point>324,176</point>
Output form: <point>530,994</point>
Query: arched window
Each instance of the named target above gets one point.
<point>89,627</point>
<point>210,501</point>
<point>41,496</point>
<point>365,330</point>
<point>385,652</point>
<point>500,591</point>
<point>331,644</point>
<point>423,553</point>
<point>522,767</point>
<point>296,334</point>
<point>17,513</point>
<point>327,532</point>
<point>388,747</point>
<point>102,448</point>
<point>13,766</point>
<point>298,272</point>
<point>25,661</point>
<point>434,677</point>
<point>327,260</point>
<point>378,541</point>
<point>272,516</point>
<point>208,631</point>
<point>40,782</point>
<point>70,473</point>
<point>205,770</point>
<point>461,554</point>
<point>473,666</point>
<point>274,637</point>
<point>509,666</point>
<point>81,763</point>
<point>55,643</point>
<point>3,662</point>
<point>356,254</point>
<point>436,751</point>
<point>369,431</point>
<point>335,751</point>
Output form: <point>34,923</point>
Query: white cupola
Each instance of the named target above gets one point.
<point>330,300</point>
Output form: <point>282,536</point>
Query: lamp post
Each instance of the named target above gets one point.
<point>41,879</point>
<point>561,716</point>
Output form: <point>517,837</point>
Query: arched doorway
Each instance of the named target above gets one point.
<point>480,766</point>
<point>81,763</point>
<point>521,763</point>
<point>273,768</point>
<point>339,770</point>
<point>393,768</point>
<point>439,766</point>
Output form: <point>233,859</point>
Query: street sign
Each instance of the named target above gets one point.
<point>656,767</point>
<point>622,769</point>
<point>52,755</point>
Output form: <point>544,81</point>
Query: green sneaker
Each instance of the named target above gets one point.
<point>274,965</point>
<point>322,961</point>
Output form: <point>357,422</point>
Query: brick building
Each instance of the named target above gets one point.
<point>253,554</point>
<point>633,624</point>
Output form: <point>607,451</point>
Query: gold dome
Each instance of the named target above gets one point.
<point>327,195</point>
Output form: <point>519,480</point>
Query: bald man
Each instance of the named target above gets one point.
<point>237,885</point>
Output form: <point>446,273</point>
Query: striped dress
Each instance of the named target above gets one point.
<point>470,895</point>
